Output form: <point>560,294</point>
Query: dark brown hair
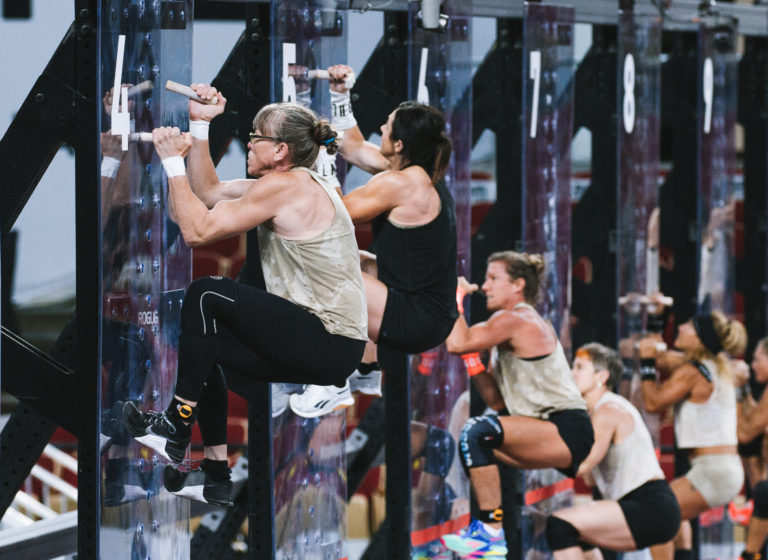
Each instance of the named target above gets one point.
<point>421,129</point>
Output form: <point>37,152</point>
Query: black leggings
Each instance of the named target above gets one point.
<point>258,336</point>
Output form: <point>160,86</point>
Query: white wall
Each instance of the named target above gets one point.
<point>45,261</point>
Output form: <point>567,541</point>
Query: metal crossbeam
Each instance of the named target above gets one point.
<point>682,15</point>
<point>48,538</point>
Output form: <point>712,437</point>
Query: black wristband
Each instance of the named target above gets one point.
<point>655,323</point>
<point>743,392</point>
<point>629,368</point>
<point>633,322</point>
<point>648,369</point>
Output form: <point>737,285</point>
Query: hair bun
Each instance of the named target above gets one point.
<point>536,260</point>
<point>324,135</point>
<point>731,332</point>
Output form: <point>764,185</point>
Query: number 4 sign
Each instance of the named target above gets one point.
<point>121,118</point>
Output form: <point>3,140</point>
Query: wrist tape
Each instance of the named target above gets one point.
<point>473,363</point>
<point>174,166</point>
<point>199,129</point>
<point>326,167</point>
<point>109,167</point>
<point>341,107</point>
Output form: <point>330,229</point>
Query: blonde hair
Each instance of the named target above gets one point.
<point>529,267</point>
<point>733,338</point>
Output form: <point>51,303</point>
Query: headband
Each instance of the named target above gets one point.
<point>582,353</point>
<point>705,329</point>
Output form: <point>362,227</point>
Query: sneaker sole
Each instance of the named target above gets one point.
<point>197,493</point>
<point>371,392</point>
<point>173,481</point>
<point>132,493</point>
<point>157,444</point>
<point>323,411</point>
<point>457,545</point>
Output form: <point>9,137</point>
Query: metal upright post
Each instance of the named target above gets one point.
<point>88,283</point>
<point>753,115</point>
<point>594,216</point>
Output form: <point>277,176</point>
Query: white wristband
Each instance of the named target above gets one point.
<point>341,106</point>
<point>199,129</point>
<point>304,98</point>
<point>109,167</point>
<point>326,167</point>
<point>174,166</point>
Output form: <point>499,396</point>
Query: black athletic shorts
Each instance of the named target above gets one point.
<point>652,513</point>
<point>409,326</point>
<point>753,448</point>
<point>575,428</point>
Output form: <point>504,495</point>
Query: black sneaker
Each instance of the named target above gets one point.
<point>123,483</point>
<point>197,485</point>
<point>157,431</point>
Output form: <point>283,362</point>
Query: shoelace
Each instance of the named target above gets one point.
<point>156,418</point>
<point>313,391</point>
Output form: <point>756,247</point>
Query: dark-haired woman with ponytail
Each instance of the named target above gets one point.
<point>701,388</point>
<point>412,294</point>
<point>308,326</point>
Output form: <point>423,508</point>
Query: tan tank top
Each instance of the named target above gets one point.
<point>536,387</point>
<point>712,422</point>
<point>631,463</point>
<point>321,274</point>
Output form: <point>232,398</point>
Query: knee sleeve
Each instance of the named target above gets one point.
<point>561,534</point>
<point>212,415</point>
<point>760,497</point>
<point>480,436</point>
<point>207,299</point>
<point>684,554</point>
<point>438,452</point>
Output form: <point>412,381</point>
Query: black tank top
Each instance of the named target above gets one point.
<point>421,260</point>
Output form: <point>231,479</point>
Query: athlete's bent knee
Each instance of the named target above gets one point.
<point>438,452</point>
<point>561,534</point>
<point>196,302</point>
<point>760,497</point>
<point>480,436</point>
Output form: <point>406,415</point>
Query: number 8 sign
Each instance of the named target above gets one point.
<point>629,93</point>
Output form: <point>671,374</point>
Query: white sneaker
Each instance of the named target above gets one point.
<point>317,400</point>
<point>280,394</point>
<point>368,384</point>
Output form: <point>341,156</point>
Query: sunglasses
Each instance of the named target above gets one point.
<point>254,137</point>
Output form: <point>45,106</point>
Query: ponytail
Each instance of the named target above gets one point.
<point>443,151</point>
